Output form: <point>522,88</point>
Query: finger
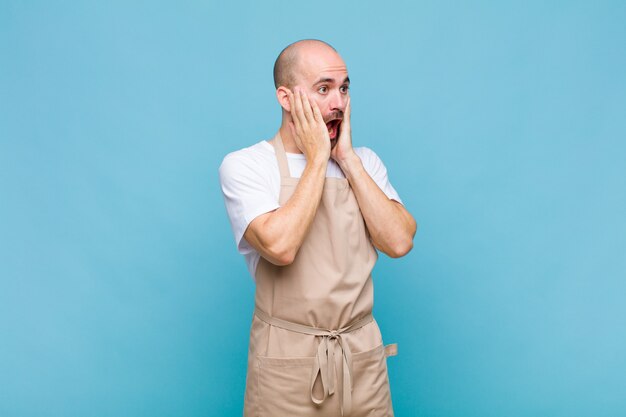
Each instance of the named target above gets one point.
<point>346,116</point>
<point>292,103</point>
<point>344,129</point>
<point>296,138</point>
<point>317,114</point>
<point>300,119</point>
<point>308,112</point>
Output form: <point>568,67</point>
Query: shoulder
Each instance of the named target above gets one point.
<point>373,165</point>
<point>364,151</point>
<point>377,170</point>
<point>258,158</point>
<point>258,153</point>
<point>369,158</point>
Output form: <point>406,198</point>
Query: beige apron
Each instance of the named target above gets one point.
<point>315,349</point>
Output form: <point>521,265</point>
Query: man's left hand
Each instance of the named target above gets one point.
<point>343,151</point>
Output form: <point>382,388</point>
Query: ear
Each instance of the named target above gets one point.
<point>282,95</point>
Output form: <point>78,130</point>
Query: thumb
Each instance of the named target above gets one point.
<point>345,123</point>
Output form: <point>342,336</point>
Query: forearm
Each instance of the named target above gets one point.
<point>278,235</point>
<point>390,225</point>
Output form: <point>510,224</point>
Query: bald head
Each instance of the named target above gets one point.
<point>286,65</point>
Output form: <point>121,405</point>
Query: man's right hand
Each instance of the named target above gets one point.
<point>278,235</point>
<point>308,127</point>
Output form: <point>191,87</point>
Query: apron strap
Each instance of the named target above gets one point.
<point>324,364</point>
<point>281,156</point>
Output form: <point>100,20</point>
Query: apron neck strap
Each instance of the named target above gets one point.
<point>281,156</point>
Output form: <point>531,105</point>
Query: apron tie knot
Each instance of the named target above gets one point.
<point>324,365</point>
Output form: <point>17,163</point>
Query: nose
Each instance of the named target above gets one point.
<point>337,100</point>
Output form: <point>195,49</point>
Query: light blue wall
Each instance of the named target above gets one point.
<point>502,124</point>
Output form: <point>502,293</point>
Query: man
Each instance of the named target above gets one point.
<point>308,211</point>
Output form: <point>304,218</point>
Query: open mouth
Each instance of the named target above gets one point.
<point>333,128</point>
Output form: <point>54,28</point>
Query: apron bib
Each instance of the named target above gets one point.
<point>315,349</point>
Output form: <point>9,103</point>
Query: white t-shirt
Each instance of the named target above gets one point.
<point>250,182</point>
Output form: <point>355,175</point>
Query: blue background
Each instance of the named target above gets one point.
<point>502,125</point>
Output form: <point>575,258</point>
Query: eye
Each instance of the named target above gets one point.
<point>344,89</point>
<point>323,89</point>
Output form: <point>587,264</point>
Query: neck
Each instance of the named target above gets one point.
<point>288,140</point>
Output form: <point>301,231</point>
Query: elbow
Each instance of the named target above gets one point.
<point>400,248</point>
<point>403,244</point>
<point>281,256</point>
<point>283,259</point>
<point>271,242</point>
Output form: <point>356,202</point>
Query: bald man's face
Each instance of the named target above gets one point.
<point>323,75</point>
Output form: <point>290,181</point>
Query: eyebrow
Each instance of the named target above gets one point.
<point>331,80</point>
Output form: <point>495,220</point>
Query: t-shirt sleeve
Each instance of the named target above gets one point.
<point>377,170</point>
<point>247,191</point>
